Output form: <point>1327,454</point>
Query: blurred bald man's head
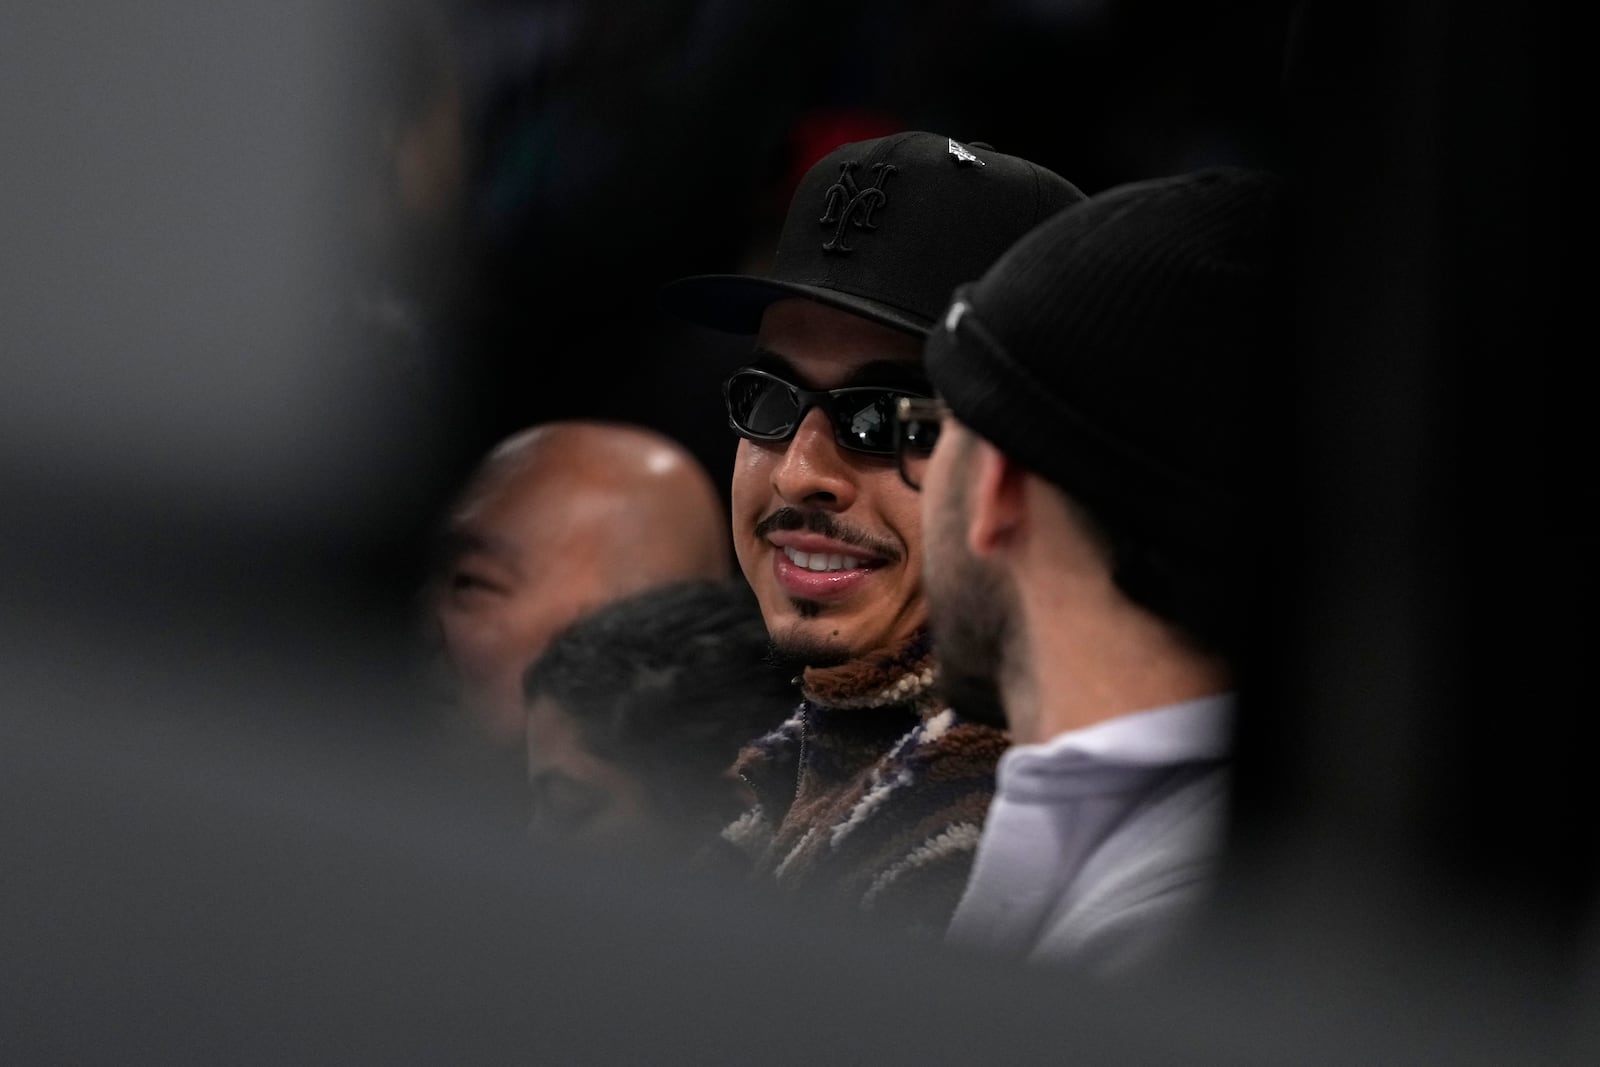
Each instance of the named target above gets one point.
<point>556,521</point>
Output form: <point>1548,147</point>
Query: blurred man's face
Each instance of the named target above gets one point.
<point>520,567</point>
<point>829,539</point>
<point>576,796</point>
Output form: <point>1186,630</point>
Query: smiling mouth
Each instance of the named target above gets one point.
<point>823,562</point>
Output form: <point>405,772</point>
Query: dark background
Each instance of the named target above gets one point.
<point>243,362</point>
<point>663,139</point>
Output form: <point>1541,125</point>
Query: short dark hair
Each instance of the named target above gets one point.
<point>669,683</point>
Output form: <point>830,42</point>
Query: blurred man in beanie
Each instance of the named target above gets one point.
<point>872,794</point>
<point>1081,511</point>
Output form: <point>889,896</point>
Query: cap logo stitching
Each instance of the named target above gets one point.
<point>962,155</point>
<point>848,204</point>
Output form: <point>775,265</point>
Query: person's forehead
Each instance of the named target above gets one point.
<point>824,373</point>
<point>828,347</point>
<point>538,509</point>
<point>465,538</point>
<point>489,532</point>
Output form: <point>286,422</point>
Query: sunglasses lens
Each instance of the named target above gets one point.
<point>864,419</point>
<point>761,406</point>
<point>919,435</point>
<point>917,425</point>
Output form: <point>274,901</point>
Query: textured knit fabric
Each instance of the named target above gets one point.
<point>1112,349</point>
<point>871,794</point>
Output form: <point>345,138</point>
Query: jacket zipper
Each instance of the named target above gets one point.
<point>800,764</point>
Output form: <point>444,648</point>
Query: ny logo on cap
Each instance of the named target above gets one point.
<point>848,204</point>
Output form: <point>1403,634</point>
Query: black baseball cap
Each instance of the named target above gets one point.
<point>885,228</point>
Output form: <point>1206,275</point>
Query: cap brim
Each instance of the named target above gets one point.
<point>734,303</point>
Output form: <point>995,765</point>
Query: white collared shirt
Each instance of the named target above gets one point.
<point>1057,800</point>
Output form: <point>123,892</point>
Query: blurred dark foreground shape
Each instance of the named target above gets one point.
<point>220,841</point>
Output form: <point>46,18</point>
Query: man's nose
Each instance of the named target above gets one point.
<point>815,469</point>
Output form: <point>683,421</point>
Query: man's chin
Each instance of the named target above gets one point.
<point>808,642</point>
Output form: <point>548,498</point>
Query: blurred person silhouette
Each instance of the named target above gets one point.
<point>636,712</point>
<point>1083,504</point>
<point>869,797</point>
<point>557,520</point>
<point>415,282</point>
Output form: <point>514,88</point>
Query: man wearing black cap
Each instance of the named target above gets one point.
<point>872,794</point>
<point>1082,508</point>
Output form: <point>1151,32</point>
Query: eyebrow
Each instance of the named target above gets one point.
<point>890,372</point>
<point>454,543</point>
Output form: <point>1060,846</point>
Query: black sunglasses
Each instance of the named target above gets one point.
<point>764,407</point>
<point>917,421</point>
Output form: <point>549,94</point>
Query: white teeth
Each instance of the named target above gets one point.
<point>821,561</point>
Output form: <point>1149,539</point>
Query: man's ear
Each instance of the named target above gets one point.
<point>998,503</point>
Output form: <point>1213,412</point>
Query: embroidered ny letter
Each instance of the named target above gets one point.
<point>848,204</point>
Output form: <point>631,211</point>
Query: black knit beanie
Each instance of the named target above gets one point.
<point>1111,350</point>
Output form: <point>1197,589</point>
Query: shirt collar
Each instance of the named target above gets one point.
<point>1188,731</point>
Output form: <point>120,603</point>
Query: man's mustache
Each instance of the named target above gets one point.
<point>825,524</point>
